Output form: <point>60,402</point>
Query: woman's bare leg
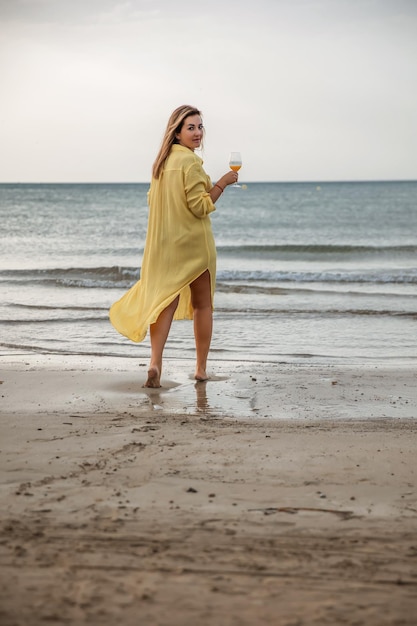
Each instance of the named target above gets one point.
<point>159,333</point>
<point>203,322</point>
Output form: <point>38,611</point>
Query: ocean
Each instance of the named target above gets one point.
<point>319,272</point>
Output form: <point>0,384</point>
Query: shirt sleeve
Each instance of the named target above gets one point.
<point>197,186</point>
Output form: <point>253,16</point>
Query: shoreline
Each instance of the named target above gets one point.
<point>236,389</point>
<point>272,494</point>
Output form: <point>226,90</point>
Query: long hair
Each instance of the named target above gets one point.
<point>175,123</point>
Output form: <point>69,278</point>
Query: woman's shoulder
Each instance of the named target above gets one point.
<point>183,157</point>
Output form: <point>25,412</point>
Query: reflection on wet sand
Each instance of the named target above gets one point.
<point>201,395</point>
<point>158,398</point>
<point>219,396</point>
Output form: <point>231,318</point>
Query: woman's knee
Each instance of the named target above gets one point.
<point>172,307</point>
<point>174,304</point>
<point>201,291</point>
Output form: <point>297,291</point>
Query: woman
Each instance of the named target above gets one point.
<point>179,262</point>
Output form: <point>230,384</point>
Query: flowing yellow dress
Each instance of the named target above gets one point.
<point>179,246</point>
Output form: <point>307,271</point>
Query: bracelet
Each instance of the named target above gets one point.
<point>216,185</point>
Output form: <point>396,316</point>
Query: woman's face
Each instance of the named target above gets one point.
<point>191,132</point>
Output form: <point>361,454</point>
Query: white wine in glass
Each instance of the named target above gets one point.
<point>235,163</point>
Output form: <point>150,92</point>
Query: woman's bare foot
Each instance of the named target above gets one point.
<point>153,378</point>
<point>200,375</point>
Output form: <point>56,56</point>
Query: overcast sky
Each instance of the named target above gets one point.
<point>305,89</point>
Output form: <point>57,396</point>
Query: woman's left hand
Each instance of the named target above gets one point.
<point>228,179</point>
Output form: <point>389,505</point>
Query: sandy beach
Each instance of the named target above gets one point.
<point>279,494</point>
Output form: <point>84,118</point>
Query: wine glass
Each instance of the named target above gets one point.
<point>235,163</point>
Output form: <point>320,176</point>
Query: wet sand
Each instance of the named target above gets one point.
<point>279,494</point>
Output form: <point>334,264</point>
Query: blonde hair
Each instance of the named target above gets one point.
<point>175,123</point>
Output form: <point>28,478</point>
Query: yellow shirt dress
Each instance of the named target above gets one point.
<point>179,246</point>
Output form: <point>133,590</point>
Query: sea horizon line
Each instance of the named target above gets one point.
<point>247,182</point>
